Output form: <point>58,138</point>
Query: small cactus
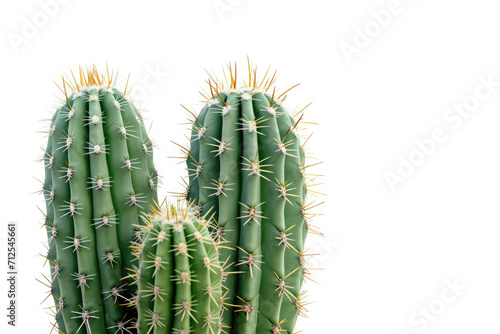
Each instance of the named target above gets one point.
<point>99,179</point>
<point>179,276</point>
<point>246,164</point>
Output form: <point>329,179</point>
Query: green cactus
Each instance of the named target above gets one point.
<point>99,179</point>
<point>247,164</point>
<point>179,277</point>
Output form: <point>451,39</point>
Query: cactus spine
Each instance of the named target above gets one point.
<point>99,178</point>
<point>180,276</point>
<point>246,163</point>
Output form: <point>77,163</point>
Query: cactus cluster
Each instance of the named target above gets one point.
<point>99,178</point>
<point>179,278</point>
<point>246,164</point>
<point>230,259</point>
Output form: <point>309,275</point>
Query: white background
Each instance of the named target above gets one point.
<point>387,254</point>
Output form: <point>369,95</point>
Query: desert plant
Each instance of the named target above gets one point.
<point>247,165</point>
<point>179,276</point>
<point>99,179</point>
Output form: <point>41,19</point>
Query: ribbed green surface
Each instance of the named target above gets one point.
<point>99,178</point>
<point>245,165</point>
<point>180,276</point>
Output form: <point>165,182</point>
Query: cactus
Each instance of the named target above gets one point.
<point>99,179</point>
<point>179,277</point>
<point>246,163</point>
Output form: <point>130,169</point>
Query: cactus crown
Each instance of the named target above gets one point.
<point>250,85</point>
<point>90,78</point>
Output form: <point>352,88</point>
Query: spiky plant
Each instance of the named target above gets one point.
<point>99,178</point>
<point>247,164</point>
<point>179,276</point>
